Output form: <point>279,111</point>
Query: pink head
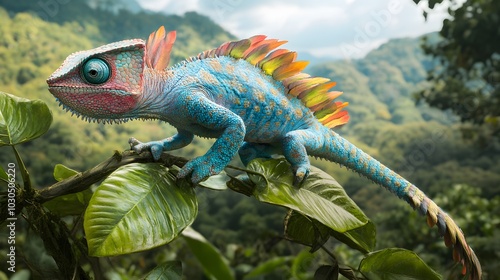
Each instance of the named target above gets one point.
<point>102,83</point>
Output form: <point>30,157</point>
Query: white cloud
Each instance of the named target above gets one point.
<point>171,6</point>
<point>316,26</point>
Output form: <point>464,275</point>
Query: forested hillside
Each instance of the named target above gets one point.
<point>424,144</point>
<point>413,139</point>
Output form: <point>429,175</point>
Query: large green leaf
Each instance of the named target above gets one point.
<point>169,270</point>
<point>396,264</point>
<point>213,262</point>
<point>138,207</point>
<point>320,197</point>
<point>22,119</point>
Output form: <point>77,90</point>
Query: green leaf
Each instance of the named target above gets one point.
<point>304,230</point>
<point>62,172</point>
<point>138,207</point>
<point>307,231</point>
<point>214,264</point>
<point>320,197</point>
<point>69,204</point>
<point>327,272</point>
<point>216,182</point>
<point>395,263</point>
<point>241,184</point>
<point>169,270</point>
<point>21,119</point>
<point>269,266</point>
<point>362,239</point>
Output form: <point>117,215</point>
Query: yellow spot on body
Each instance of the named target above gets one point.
<point>346,146</point>
<point>256,108</point>
<point>237,101</point>
<point>234,83</point>
<point>229,68</point>
<point>207,77</point>
<point>246,104</point>
<point>274,91</point>
<point>277,124</point>
<point>398,184</point>
<point>260,82</point>
<point>271,104</point>
<point>298,113</point>
<point>216,65</point>
<point>260,96</point>
<point>279,112</point>
<point>288,118</point>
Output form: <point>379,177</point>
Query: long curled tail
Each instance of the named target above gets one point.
<point>339,150</point>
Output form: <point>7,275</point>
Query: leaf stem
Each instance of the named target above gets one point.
<point>24,171</point>
<point>330,254</point>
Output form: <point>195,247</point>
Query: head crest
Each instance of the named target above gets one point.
<point>158,48</point>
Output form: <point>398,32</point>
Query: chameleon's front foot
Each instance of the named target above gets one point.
<point>301,174</point>
<point>200,168</point>
<point>155,147</point>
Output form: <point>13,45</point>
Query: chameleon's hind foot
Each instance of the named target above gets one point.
<point>155,147</point>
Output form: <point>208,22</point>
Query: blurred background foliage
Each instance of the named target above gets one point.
<point>424,144</point>
<point>466,80</point>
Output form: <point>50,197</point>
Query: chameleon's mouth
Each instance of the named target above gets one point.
<point>95,105</point>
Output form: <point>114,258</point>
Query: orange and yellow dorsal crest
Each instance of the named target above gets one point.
<point>280,64</point>
<point>158,48</point>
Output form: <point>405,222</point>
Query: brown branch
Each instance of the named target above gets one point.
<point>84,180</point>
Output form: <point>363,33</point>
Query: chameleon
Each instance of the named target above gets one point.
<point>251,95</point>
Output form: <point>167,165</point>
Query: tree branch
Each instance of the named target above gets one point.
<point>84,180</point>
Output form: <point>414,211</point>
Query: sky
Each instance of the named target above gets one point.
<point>338,29</point>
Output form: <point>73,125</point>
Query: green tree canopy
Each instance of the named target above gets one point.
<point>466,78</point>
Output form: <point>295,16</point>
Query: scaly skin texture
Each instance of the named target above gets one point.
<point>253,101</point>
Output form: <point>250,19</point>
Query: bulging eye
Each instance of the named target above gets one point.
<point>96,71</point>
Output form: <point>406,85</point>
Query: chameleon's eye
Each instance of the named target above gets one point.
<point>96,71</point>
